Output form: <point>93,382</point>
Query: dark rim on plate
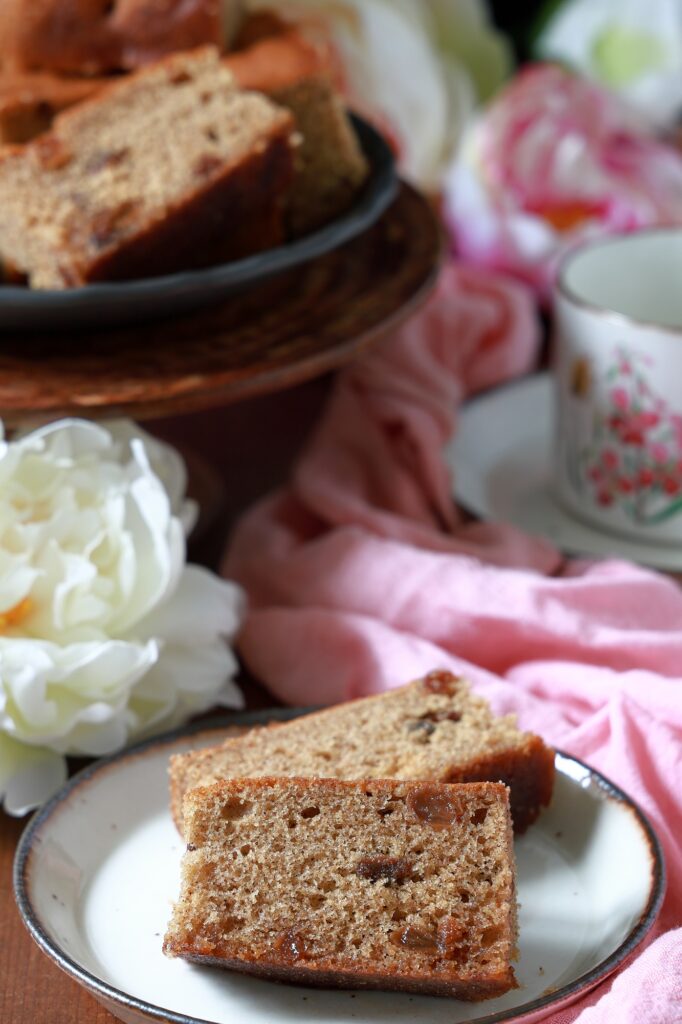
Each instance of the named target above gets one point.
<point>557,998</point>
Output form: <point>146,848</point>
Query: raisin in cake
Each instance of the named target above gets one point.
<point>173,167</point>
<point>433,729</point>
<point>384,884</point>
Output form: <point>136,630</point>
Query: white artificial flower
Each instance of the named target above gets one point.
<point>106,634</point>
<point>632,47</point>
<point>417,67</point>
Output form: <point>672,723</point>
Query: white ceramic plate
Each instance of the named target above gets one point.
<point>98,868</point>
<point>501,460</point>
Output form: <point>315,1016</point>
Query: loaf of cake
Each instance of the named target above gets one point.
<point>383,884</point>
<point>169,168</point>
<point>93,37</point>
<point>29,102</point>
<point>433,729</point>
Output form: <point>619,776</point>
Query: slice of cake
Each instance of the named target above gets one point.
<point>382,884</point>
<point>433,729</point>
<point>330,167</point>
<point>170,168</point>
<point>294,71</point>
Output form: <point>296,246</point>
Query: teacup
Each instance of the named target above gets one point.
<point>618,379</point>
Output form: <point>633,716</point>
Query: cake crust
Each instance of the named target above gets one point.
<point>29,102</point>
<point>90,37</point>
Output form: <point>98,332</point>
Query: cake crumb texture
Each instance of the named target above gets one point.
<point>364,884</point>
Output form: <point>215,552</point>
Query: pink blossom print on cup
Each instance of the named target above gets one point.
<point>632,455</point>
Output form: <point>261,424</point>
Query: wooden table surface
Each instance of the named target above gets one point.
<point>32,989</point>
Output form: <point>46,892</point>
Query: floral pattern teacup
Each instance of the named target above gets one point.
<point>618,376</point>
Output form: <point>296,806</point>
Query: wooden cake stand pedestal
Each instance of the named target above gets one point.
<point>285,331</point>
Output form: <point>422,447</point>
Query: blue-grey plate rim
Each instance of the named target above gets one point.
<point>130,301</point>
<point>108,993</point>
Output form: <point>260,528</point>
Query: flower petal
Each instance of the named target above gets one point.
<point>28,776</point>
<point>72,699</point>
<point>222,605</point>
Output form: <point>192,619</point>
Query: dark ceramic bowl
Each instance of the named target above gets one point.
<point>130,302</point>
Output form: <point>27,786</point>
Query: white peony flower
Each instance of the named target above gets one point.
<point>417,67</point>
<point>106,635</point>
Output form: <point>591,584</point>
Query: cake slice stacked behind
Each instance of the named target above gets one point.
<point>434,729</point>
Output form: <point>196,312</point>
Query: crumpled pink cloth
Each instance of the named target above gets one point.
<point>361,577</point>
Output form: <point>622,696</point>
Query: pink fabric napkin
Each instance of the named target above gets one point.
<point>361,577</point>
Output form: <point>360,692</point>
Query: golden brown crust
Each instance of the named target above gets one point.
<point>528,771</point>
<point>277,61</point>
<point>30,102</point>
<point>326,974</point>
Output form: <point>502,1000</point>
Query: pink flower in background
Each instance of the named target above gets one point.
<point>553,161</point>
<point>676,428</point>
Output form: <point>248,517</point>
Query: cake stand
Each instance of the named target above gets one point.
<point>287,330</point>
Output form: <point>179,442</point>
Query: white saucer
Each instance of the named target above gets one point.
<point>97,869</point>
<point>501,461</point>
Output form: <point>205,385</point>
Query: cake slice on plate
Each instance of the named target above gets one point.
<point>381,884</point>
